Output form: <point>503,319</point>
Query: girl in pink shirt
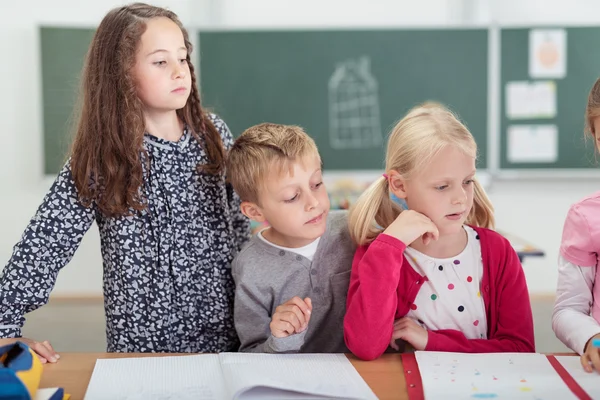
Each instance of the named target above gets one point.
<point>433,276</point>
<point>576,317</point>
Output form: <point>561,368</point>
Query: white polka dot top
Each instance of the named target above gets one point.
<point>450,297</point>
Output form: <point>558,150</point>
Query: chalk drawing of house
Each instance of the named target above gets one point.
<point>354,121</point>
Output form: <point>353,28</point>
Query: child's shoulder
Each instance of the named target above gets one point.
<point>337,220</point>
<point>337,227</point>
<point>255,257</point>
<point>221,126</point>
<point>587,206</point>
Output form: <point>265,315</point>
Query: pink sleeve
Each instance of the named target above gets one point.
<point>577,245</point>
<point>372,297</point>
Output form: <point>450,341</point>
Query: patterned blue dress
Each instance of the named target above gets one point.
<point>167,277</point>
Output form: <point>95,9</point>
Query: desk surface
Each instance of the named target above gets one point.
<point>74,370</point>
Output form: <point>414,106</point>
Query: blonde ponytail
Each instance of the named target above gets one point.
<point>372,213</point>
<point>482,212</point>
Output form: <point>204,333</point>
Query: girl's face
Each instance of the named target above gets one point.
<point>443,191</point>
<point>161,71</point>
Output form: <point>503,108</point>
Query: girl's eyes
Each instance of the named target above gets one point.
<point>161,63</point>
<point>467,182</point>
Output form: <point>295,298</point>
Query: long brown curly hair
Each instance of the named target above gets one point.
<point>106,156</point>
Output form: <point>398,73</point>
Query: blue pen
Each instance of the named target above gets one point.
<point>596,342</point>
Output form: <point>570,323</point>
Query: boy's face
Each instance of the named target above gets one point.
<point>294,203</point>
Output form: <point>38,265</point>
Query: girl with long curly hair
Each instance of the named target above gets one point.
<point>147,164</point>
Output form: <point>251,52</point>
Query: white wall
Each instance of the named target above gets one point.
<point>533,209</point>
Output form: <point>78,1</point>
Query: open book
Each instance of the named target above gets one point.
<point>228,376</point>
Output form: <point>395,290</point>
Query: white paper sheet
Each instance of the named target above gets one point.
<point>589,382</point>
<point>196,377</point>
<point>532,144</point>
<point>547,53</point>
<point>530,100</point>
<point>511,376</point>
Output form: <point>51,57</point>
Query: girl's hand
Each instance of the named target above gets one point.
<point>409,331</point>
<point>411,225</point>
<point>291,317</point>
<point>44,349</point>
<point>591,354</point>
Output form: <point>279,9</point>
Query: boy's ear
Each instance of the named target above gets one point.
<point>252,211</point>
<point>397,184</point>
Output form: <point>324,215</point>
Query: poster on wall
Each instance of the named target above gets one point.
<point>532,143</point>
<point>531,99</point>
<point>547,53</point>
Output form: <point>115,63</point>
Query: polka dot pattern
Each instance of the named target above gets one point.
<point>456,280</point>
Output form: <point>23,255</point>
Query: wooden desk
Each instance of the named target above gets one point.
<point>74,370</point>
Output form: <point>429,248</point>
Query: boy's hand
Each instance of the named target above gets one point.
<point>409,331</point>
<point>291,317</point>
<point>591,354</point>
<point>44,349</point>
<point>411,225</point>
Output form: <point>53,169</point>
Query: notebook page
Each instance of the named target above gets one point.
<point>323,375</point>
<point>196,377</point>
<point>490,376</point>
<point>589,381</point>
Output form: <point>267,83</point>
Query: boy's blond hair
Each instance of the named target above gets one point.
<point>262,149</point>
<point>412,145</point>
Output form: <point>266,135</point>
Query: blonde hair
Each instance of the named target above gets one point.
<point>592,111</point>
<point>412,144</point>
<point>259,150</point>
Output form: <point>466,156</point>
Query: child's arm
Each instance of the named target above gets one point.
<point>571,320</point>
<point>47,245</point>
<point>258,331</point>
<point>513,330</point>
<point>372,297</point>
<point>241,224</point>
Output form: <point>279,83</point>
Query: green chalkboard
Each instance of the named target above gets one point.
<point>346,88</point>
<point>63,52</point>
<point>583,68</point>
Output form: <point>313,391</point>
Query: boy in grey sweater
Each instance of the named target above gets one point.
<point>292,277</point>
